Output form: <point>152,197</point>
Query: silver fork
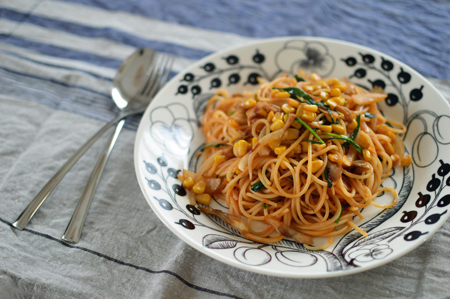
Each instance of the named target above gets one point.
<point>157,77</point>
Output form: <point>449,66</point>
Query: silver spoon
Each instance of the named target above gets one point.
<point>158,74</point>
<point>126,84</point>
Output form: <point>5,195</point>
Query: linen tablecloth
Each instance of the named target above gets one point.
<point>57,61</point>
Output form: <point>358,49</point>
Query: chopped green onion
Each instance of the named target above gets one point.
<point>340,215</point>
<point>257,186</point>
<point>309,129</point>
<point>265,206</point>
<point>343,137</point>
<point>299,79</point>
<point>212,144</point>
<point>232,112</point>
<point>327,170</point>
<point>369,115</point>
<point>297,93</point>
<point>356,131</point>
<point>310,141</point>
<point>331,115</point>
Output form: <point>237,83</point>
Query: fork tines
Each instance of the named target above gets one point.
<point>158,74</point>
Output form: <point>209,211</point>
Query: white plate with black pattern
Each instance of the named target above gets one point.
<point>169,135</point>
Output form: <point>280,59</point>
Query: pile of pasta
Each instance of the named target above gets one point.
<point>300,154</point>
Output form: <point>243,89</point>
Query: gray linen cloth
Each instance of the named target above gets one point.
<point>125,250</point>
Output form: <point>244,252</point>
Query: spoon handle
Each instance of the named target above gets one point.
<point>34,205</point>
<point>73,230</point>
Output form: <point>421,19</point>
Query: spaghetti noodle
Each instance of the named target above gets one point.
<point>302,156</point>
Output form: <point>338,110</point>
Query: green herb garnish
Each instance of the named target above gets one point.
<point>333,121</point>
<point>212,144</point>
<point>310,141</point>
<point>297,93</point>
<point>232,112</point>
<point>369,115</point>
<point>340,215</point>
<point>257,186</point>
<point>299,79</point>
<point>343,137</point>
<point>265,206</point>
<point>309,129</point>
<point>327,170</point>
<point>356,131</point>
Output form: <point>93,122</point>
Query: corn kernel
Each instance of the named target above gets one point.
<point>270,116</point>
<point>367,155</point>
<point>233,123</point>
<point>298,149</point>
<point>338,129</point>
<point>304,146</point>
<point>282,94</point>
<point>250,103</point>
<point>288,108</point>
<point>406,161</point>
<point>291,134</point>
<point>326,128</point>
<point>364,140</point>
<point>274,143</point>
<point>204,199</point>
<point>315,77</point>
<point>339,100</point>
<point>219,159</point>
<point>284,166</point>
<point>312,108</point>
<point>324,95</point>
<point>262,112</point>
<point>299,111</point>
<point>273,92</point>
<point>277,116</point>
<point>199,188</point>
<point>352,125</point>
<point>335,92</point>
<point>308,116</point>
<point>308,88</point>
<point>285,118</point>
<point>240,148</point>
<point>346,161</point>
<point>319,132</point>
<point>316,165</point>
<point>319,147</point>
<point>389,148</point>
<point>331,103</point>
<point>277,125</point>
<point>188,183</point>
<point>293,103</point>
<point>333,81</point>
<point>254,141</point>
<point>335,158</point>
<point>395,159</point>
<point>342,87</point>
<point>279,150</point>
<point>296,125</point>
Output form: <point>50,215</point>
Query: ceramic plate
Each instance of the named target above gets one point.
<point>169,135</point>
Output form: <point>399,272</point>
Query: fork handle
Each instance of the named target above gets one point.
<point>34,205</point>
<point>73,230</point>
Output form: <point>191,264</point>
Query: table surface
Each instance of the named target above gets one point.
<point>57,61</point>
